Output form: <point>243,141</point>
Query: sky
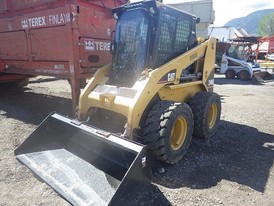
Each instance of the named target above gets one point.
<point>226,10</point>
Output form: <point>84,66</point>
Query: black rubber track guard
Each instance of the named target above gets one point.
<point>85,165</point>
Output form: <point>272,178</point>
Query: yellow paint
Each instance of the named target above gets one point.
<point>203,56</point>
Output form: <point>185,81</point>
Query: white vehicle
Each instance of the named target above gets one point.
<point>239,61</point>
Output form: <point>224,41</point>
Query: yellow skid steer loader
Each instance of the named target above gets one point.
<point>156,95</point>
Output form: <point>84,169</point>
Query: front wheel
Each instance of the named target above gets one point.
<point>206,108</point>
<point>243,75</point>
<point>168,131</point>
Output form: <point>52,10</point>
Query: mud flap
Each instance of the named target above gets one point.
<point>85,165</point>
<point>260,77</point>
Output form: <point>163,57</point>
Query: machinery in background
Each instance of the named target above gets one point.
<point>265,53</point>
<point>239,60</point>
<point>265,48</point>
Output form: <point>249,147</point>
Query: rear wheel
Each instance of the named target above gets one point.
<point>168,131</point>
<point>23,82</point>
<point>206,108</point>
<point>243,75</point>
<point>230,74</point>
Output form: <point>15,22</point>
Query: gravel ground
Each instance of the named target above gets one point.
<point>235,167</point>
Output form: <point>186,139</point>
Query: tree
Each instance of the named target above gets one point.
<point>266,25</point>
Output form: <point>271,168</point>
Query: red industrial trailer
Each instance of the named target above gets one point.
<point>265,47</point>
<point>67,38</point>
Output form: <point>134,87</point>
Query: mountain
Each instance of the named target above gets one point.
<point>249,22</point>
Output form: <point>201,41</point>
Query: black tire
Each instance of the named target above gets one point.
<point>23,82</point>
<point>82,82</point>
<point>206,109</point>
<point>243,75</point>
<point>230,74</point>
<point>18,83</point>
<point>168,131</point>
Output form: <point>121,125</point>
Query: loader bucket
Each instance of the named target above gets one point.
<point>261,77</point>
<point>85,165</point>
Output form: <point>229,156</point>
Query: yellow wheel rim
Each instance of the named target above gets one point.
<point>178,133</point>
<point>212,116</point>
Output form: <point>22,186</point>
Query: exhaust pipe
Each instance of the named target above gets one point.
<point>85,165</point>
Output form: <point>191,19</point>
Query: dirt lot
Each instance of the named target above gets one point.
<point>235,167</point>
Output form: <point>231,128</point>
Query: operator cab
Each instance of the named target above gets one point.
<point>148,35</point>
